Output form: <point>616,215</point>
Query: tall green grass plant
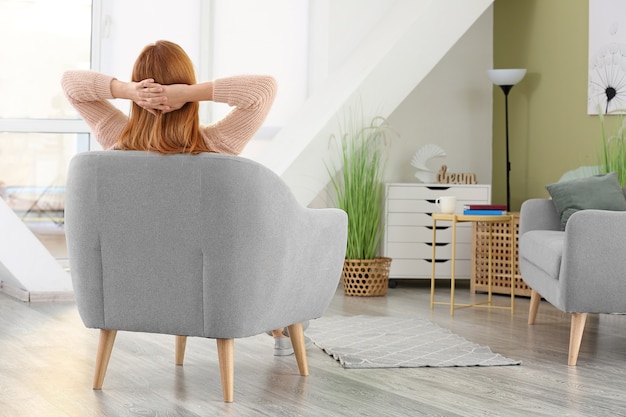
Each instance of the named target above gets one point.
<point>357,180</point>
<point>613,151</point>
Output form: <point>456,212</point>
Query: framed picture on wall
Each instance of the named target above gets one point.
<point>607,57</point>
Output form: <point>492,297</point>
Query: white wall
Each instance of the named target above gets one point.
<point>452,108</point>
<point>349,21</point>
<point>451,105</point>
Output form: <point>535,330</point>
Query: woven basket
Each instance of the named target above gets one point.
<point>366,277</point>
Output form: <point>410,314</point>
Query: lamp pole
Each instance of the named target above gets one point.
<point>506,89</point>
<point>506,79</point>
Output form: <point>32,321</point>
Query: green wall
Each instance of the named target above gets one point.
<point>549,129</point>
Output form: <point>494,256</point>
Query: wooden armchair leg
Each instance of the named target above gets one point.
<point>296,335</point>
<point>226,355</point>
<point>181,343</point>
<point>576,336</point>
<point>105,347</point>
<point>535,299</point>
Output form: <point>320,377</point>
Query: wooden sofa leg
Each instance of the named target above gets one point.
<point>226,355</point>
<point>576,337</point>
<point>179,356</point>
<point>296,335</point>
<point>105,347</point>
<point>535,299</point>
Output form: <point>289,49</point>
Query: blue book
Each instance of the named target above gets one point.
<point>485,212</point>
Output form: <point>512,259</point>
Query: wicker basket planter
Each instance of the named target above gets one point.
<point>366,277</point>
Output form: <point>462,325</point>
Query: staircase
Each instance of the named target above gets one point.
<point>27,269</point>
<point>388,64</point>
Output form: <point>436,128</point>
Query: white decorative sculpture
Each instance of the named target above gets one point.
<point>421,157</point>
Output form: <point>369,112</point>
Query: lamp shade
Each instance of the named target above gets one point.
<point>506,76</point>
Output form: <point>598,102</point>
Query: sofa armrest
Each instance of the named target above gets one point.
<point>592,275</point>
<point>538,214</point>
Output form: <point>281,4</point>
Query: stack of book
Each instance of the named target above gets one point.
<point>484,209</point>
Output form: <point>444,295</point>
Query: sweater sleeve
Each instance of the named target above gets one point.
<point>89,92</point>
<point>252,97</point>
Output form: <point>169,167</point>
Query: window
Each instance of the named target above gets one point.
<point>39,39</point>
<point>39,130</point>
<point>35,166</point>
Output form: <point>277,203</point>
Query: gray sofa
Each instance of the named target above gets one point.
<point>579,270</point>
<point>204,245</point>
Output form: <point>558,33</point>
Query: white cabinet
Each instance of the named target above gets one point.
<point>408,231</point>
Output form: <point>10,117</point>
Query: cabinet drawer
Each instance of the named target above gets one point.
<point>421,192</point>
<point>425,233</point>
<point>412,206</point>
<point>422,268</point>
<point>409,250</point>
<point>409,219</point>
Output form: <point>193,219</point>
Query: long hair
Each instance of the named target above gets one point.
<point>167,133</point>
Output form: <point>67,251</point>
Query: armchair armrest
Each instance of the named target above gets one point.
<point>538,214</point>
<point>593,269</point>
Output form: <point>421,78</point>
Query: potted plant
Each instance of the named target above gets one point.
<point>357,181</point>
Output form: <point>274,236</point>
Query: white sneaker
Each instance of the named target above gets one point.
<point>283,347</point>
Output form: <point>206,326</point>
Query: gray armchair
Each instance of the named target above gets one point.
<point>206,245</point>
<point>580,270</point>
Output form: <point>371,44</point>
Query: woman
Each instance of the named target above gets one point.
<point>164,112</point>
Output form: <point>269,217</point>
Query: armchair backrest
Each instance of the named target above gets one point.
<point>543,216</point>
<point>201,245</point>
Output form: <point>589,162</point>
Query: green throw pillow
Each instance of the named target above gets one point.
<point>600,192</point>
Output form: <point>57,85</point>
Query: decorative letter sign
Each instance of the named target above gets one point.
<point>444,177</point>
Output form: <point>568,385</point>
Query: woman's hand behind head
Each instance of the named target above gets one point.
<point>175,96</point>
<point>150,96</point>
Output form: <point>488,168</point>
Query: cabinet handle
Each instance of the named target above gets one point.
<point>438,227</point>
<point>437,260</point>
<point>438,243</point>
<point>438,187</point>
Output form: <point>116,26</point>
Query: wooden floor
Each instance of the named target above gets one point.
<point>47,359</point>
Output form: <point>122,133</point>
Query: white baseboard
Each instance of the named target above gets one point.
<point>35,296</point>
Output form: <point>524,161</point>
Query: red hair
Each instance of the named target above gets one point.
<point>167,133</point>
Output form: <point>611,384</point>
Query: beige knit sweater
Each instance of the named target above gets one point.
<point>250,95</point>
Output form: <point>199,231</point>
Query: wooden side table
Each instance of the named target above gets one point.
<point>459,218</point>
<point>501,259</point>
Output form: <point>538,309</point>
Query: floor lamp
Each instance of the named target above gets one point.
<point>506,79</point>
